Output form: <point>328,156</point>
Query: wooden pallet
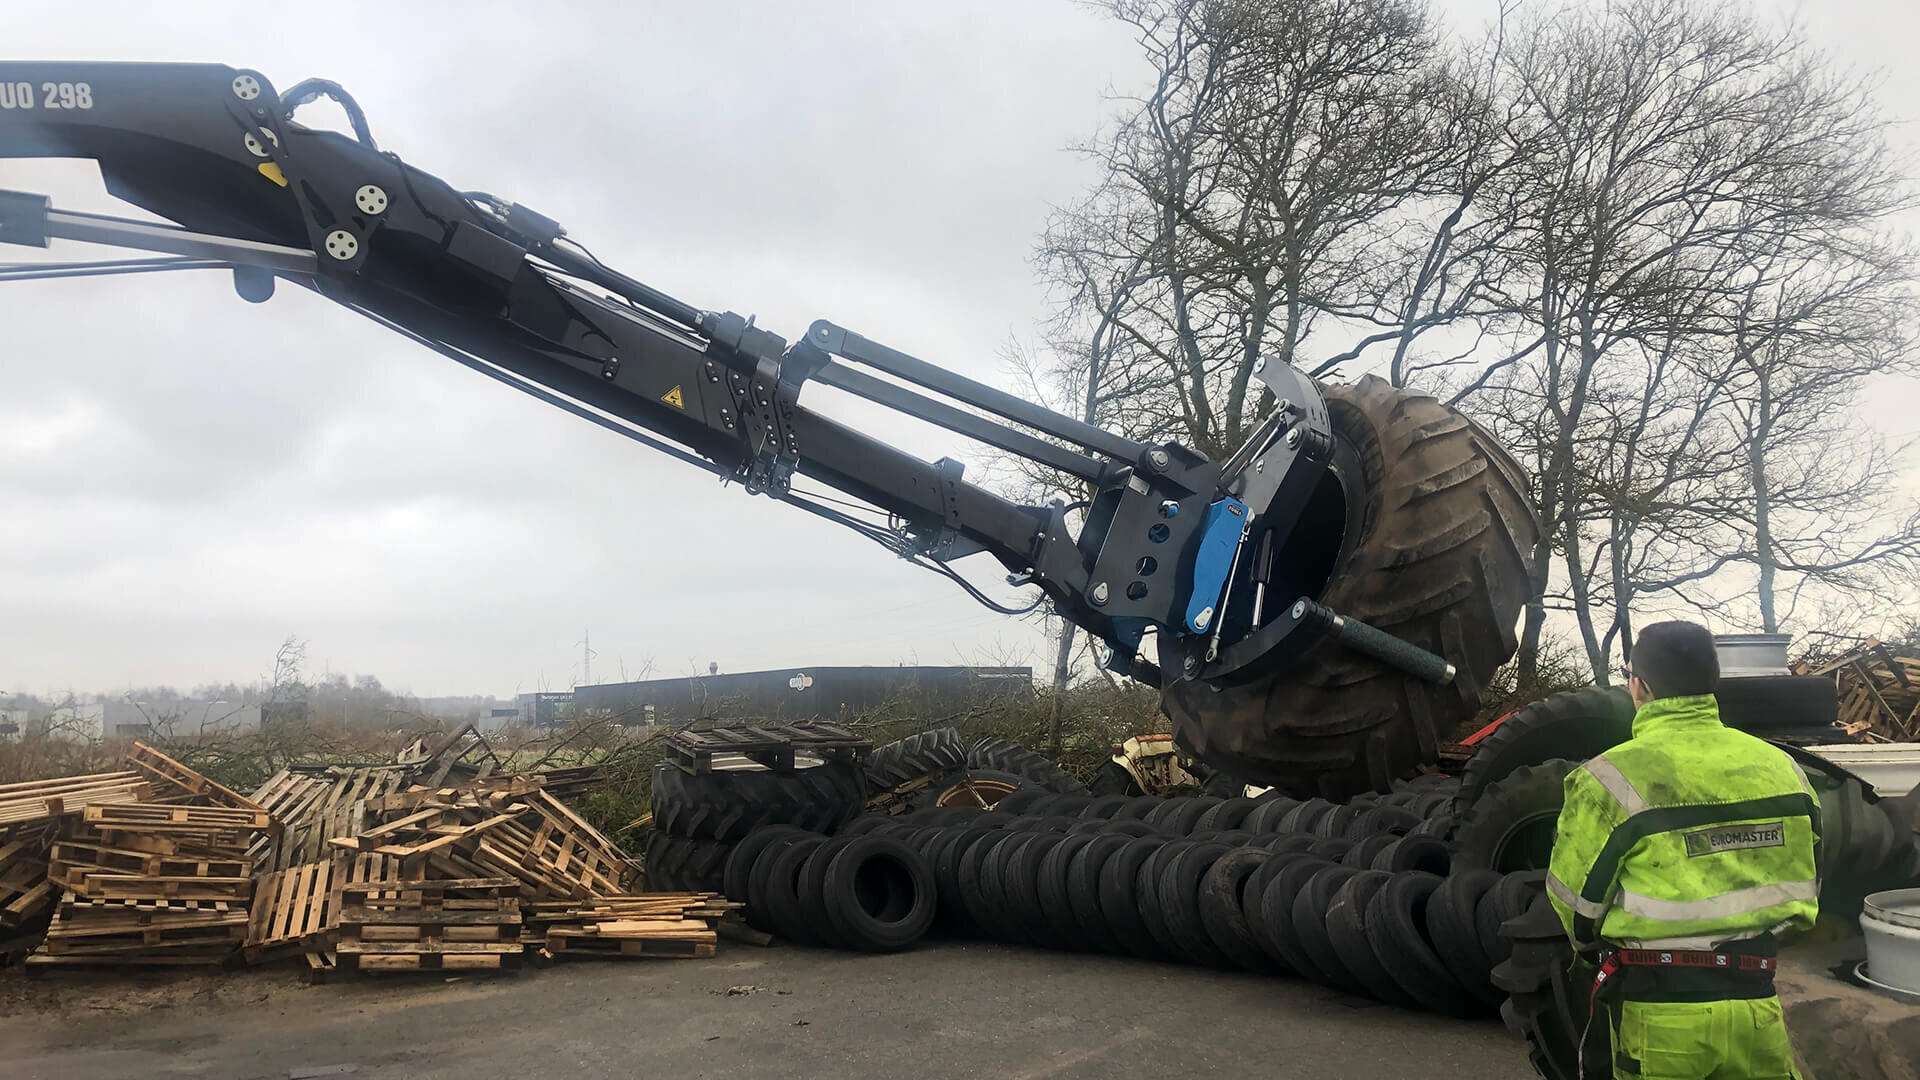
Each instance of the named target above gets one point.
<point>419,926</point>
<point>97,886</point>
<point>25,891</point>
<point>694,748</point>
<point>315,807</point>
<point>167,772</point>
<point>151,818</point>
<point>107,932</point>
<point>293,909</point>
<point>44,800</point>
<point>70,855</point>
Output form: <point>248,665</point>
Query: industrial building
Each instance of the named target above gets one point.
<point>830,693</point>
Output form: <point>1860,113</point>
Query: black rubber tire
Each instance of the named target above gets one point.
<point>968,877</point>
<point>679,864</point>
<point>1440,555</point>
<point>1397,927</point>
<point>1022,883</point>
<point>1573,725</point>
<point>1228,814</point>
<point>1512,825</point>
<point>1185,820</point>
<point>1410,853</point>
<point>1456,936</point>
<point>1102,807</point>
<point>1138,808</point>
<point>997,915</point>
<point>1269,910</point>
<point>1120,899</point>
<point>1083,890</point>
<point>1146,890</point>
<point>1329,847</point>
<point>1336,822</point>
<point>913,757</point>
<point>994,752</point>
<point>810,889</point>
<point>1347,932</point>
<point>1179,888</point>
<point>1310,926</point>
<point>864,824</point>
<point>953,911</point>
<point>1303,817</point>
<point>1131,827</point>
<point>1763,704</point>
<point>739,864</point>
<point>727,804</point>
<point>1383,820</point>
<point>1266,816</point>
<point>1440,827</point>
<point>1507,900</point>
<point>758,877</point>
<point>879,894</point>
<point>1223,914</point>
<point>1548,995</point>
<point>1159,815</point>
<point>1363,851</point>
<point>1021,801</point>
<point>787,861</point>
<point>1063,929</point>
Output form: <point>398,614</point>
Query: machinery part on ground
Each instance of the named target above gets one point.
<point>1573,725</point>
<point>906,760</point>
<point>996,753</point>
<point>1511,826</point>
<point>1766,704</point>
<point>1438,553</point>
<point>681,864</point>
<point>1548,995</point>
<point>727,804</point>
<point>1148,764</point>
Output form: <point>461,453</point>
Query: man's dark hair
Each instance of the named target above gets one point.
<point>1676,659</point>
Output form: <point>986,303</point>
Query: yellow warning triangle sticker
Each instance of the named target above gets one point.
<point>673,398</point>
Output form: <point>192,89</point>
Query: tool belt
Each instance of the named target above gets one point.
<point>1688,974</point>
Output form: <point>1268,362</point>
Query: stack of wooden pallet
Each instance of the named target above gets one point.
<point>154,882</point>
<point>1879,688</point>
<point>637,925</point>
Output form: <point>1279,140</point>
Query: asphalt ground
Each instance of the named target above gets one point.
<point>943,1010</point>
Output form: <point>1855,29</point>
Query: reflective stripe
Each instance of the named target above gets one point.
<point>1616,784</point>
<point>1579,905</point>
<point>1726,905</point>
<point>1695,941</point>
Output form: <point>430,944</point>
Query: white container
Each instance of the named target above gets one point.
<point>1891,924</point>
<point>1752,654</point>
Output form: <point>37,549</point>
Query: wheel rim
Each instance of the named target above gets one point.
<point>1527,844</point>
<point>981,794</point>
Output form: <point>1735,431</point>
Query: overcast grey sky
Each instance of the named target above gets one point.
<point>185,479</point>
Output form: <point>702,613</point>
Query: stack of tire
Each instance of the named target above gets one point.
<point>698,819</point>
<point>1359,896</point>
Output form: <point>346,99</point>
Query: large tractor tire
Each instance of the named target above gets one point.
<point>1574,725</point>
<point>1436,550</point>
